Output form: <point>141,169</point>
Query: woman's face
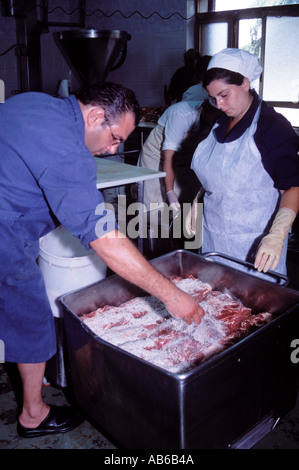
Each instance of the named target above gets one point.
<point>233,100</point>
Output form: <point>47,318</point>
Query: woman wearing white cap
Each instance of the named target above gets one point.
<point>249,168</point>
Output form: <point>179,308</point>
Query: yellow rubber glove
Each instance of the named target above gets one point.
<point>190,223</point>
<point>270,248</point>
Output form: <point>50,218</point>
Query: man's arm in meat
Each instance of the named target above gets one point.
<point>119,253</point>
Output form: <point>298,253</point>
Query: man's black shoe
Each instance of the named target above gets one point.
<point>60,419</point>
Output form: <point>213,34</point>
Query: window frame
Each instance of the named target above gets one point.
<point>232,17</point>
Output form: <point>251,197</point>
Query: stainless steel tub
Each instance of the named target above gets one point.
<point>231,400</point>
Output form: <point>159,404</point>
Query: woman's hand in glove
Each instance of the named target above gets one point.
<point>190,223</point>
<point>268,253</point>
<point>270,248</point>
<point>173,201</point>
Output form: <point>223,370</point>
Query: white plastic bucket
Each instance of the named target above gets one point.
<point>66,265</point>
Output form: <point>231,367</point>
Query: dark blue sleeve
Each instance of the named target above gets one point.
<point>278,144</point>
<point>70,190</point>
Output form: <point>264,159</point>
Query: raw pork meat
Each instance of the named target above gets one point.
<point>143,327</point>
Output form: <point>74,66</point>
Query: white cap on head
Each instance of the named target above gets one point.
<point>237,60</point>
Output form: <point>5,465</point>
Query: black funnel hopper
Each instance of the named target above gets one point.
<point>91,53</point>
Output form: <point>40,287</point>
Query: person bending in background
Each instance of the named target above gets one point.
<point>183,78</point>
<point>197,92</point>
<point>249,168</point>
<point>159,149</point>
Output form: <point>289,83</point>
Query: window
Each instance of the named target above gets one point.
<point>224,5</point>
<point>214,37</point>
<point>267,28</point>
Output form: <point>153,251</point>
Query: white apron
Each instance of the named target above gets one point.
<point>240,200</point>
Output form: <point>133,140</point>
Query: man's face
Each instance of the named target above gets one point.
<point>101,138</point>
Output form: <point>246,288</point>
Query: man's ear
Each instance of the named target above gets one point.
<point>95,116</point>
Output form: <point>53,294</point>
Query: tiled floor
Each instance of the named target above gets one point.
<point>86,436</point>
<point>89,436</point>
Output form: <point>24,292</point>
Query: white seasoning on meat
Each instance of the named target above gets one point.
<point>143,327</point>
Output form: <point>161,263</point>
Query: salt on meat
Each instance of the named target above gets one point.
<point>143,327</point>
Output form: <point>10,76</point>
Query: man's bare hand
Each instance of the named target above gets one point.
<point>119,253</point>
<point>184,306</point>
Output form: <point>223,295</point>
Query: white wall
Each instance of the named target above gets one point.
<point>155,50</point>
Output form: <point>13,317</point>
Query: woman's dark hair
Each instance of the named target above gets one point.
<point>113,98</point>
<point>229,77</point>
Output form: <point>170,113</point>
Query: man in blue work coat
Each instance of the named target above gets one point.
<point>48,177</point>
